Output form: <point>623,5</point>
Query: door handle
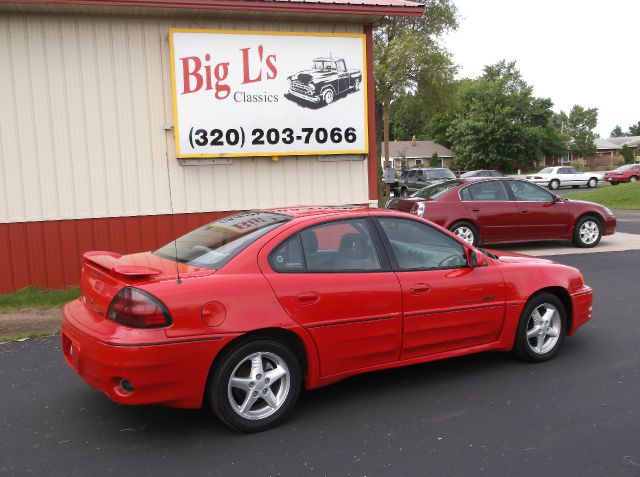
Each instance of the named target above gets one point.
<point>524,211</point>
<point>308,298</point>
<point>419,289</point>
<point>475,210</point>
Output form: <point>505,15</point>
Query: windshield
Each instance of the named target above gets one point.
<point>214,244</point>
<point>322,65</point>
<point>546,170</point>
<point>435,191</point>
<point>440,174</point>
<point>626,167</point>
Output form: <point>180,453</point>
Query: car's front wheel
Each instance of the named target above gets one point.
<point>554,184</point>
<point>592,183</point>
<point>466,232</point>
<point>541,328</point>
<point>404,192</point>
<point>614,183</point>
<point>254,386</point>
<point>587,232</point>
<point>327,96</point>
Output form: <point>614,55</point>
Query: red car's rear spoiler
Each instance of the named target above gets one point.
<point>111,262</point>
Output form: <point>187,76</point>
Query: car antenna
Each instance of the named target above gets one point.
<point>173,223</point>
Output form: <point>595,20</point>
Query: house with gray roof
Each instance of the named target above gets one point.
<point>418,154</point>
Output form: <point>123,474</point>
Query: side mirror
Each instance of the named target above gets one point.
<point>475,259</point>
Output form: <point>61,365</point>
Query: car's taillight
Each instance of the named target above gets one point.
<point>138,309</point>
<point>417,209</point>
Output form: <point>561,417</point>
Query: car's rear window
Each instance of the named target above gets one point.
<point>440,174</point>
<point>626,167</point>
<point>435,191</point>
<point>214,244</point>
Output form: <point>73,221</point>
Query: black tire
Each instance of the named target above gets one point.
<point>554,184</point>
<point>404,192</point>
<point>527,339</point>
<point>460,228</point>
<point>592,183</point>
<point>614,183</point>
<point>588,236</point>
<point>220,393</point>
<point>328,96</point>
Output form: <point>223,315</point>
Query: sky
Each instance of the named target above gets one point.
<point>582,52</point>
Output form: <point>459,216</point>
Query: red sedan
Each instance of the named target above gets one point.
<point>626,173</point>
<point>508,210</point>
<point>245,311</point>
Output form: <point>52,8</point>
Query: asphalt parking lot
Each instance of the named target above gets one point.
<point>489,414</point>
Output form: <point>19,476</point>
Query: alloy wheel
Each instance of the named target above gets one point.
<point>589,232</point>
<point>259,385</point>
<point>465,233</point>
<point>544,326</point>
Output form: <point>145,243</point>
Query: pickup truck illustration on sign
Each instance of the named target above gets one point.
<point>328,79</point>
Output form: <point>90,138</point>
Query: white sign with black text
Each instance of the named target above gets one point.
<point>268,94</point>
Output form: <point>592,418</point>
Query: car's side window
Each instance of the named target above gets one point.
<point>288,256</point>
<point>418,246</point>
<point>485,192</point>
<point>341,66</point>
<point>341,246</point>
<point>527,192</point>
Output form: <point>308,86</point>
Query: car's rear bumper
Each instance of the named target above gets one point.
<point>169,373</point>
<point>582,305</point>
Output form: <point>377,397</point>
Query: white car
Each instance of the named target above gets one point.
<point>554,177</point>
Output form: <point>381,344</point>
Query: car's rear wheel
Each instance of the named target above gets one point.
<point>541,328</point>
<point>467,232</point>
<point>592,183</point>
<point>327,96</point>
<point>587,232</point>
<point>254,386</point>
<point>633,178</point>
<point>554,184</point>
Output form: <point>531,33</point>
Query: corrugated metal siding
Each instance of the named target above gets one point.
<point>49,254</point>
<point>83,102</point>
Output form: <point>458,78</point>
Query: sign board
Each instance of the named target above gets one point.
<point>245,93</point>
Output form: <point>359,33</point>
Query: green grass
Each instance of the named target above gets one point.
<point>37,299</point>
<point>622,196</point>
<point>29,335</point>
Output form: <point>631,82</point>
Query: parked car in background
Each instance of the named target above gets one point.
<point>626,173</point>
<point>487,211</point>
<point>412,180</point>
<point>482,173</point>
<point>554,177</point>
<point>244,312</point>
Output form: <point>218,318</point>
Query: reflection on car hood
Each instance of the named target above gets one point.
<point>513,257</point>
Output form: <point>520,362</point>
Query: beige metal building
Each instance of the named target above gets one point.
<point>87,153</point>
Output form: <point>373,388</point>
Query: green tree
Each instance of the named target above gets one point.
<point>616,132</point>
<point>579,126</point>
<point>634,129</point>
<point>627,154</point>
<point>407,54</point>
<point>499,121</point>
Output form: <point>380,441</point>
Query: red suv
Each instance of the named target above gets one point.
<point>626,173</point>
